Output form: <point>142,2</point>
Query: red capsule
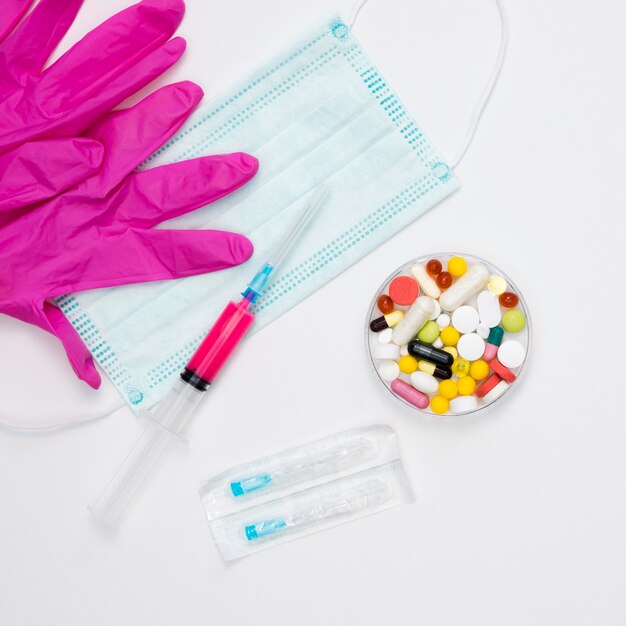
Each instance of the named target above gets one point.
<point>503,372</point>
<point>385,304</point>
<point>434,267</point>
<point>487,385</point>
<point>444,280</point>
<point>508,300</point>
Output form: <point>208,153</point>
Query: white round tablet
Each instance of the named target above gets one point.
<point>384,336</point>
<point>443,320</point>
<point>482,330</point>
<point>471,347</point>
<point>389,370</point>
<point>438,343</point>
<point>496,392</point>
<point>386,351</point>
<point>404,350</point>
<point>511,353</point>
<point>424,382</point>
<point>465,319</point>
<point>437,311</point>
<point>463,404</point>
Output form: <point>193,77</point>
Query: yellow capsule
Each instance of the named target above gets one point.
<point>408,364</point>
<point>460,367</point>
<point>439,405</point>
<point>448,389</point>
<point>450,336</point>
<point>451,350</point>
<point>466,385</point>
<point>457,266</point>
<point>479,369</point>
<point>393,318</point>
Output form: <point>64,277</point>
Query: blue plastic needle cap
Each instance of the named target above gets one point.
<point>251,532</point>
<point>237,489</point>
<point>269,527</point>
<point>246,485</point>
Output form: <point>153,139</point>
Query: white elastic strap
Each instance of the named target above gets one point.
<point>69,423</point>
<point>354,12</point>
<point>481,104</point>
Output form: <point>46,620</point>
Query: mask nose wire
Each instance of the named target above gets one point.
<point>485,96</point>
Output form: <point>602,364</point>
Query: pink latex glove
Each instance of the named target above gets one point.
<point>42,169</point>
<point>113,61</point>
<point>12,11</point>
<point>99,234</point>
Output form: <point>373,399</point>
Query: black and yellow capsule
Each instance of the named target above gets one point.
<point>386,321</point>
<point>424,351</point>
<point>437,371</point>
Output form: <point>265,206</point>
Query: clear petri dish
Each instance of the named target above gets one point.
<point>381,350</point>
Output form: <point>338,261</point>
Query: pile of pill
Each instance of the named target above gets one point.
<point>447,334</point>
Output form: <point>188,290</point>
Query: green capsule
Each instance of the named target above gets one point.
<point>495,336</point>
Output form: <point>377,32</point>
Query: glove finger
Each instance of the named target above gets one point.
<point>29,47</point>
<point>131,135</point>
<point>39,170</point>
<point>77,352</point>
<point>167,191</point>
<point>74,121</point>
<point>138,256</point>
<point>11,15</point>
<point>111,49</point>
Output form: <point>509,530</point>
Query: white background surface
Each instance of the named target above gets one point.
<point>520,515</point>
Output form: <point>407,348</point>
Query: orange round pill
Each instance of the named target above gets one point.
<point>403,290</point>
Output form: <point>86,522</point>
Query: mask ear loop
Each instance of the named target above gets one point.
<point>481,103</point>
<point>62,425</point>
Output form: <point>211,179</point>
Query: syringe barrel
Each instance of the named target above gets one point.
<point>165,425</point>
<point>217,346</point>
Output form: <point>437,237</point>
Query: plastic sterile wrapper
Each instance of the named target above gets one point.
<point>305,489</point>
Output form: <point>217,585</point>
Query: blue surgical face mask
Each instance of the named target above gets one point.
<point>319,112</point>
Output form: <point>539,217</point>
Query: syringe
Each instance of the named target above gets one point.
<point>167,422</point>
